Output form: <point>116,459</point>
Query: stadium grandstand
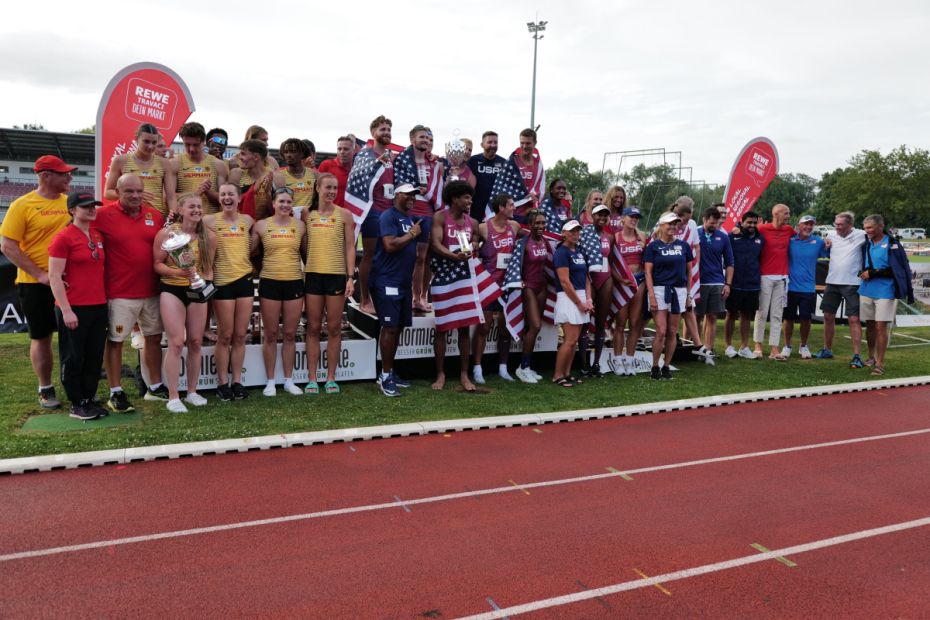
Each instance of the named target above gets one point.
<point>19,149</point>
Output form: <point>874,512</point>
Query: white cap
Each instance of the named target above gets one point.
<point>807,218</point>
<point>406,188</point>
<point>600,208</point>
<point>570,225</point>
<point>669,217</point>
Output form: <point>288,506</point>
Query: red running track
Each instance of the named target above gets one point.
<point>522,529</point>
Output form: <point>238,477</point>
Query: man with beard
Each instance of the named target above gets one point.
<point>217,139</point>
<point>716,275</point>
<point>31,223</point>
<point>196,170</point>
<point>340,165</point>
<point>128,229</point>
<point>371,193</point>
<point>743,300</point>
<point>485,166</point>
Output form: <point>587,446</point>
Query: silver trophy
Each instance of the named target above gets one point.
<point>464,242</point>
<point>177,245</point>
<point>455,153</point>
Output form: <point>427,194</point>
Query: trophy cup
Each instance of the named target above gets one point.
<point>455,153</point>
<point>464,242</point>
<point>177,245</point>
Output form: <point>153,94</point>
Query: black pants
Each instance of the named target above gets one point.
<point>81,351</point>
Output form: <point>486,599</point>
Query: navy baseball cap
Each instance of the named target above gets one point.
<point>632,212</point>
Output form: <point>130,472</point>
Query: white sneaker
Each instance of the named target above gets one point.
<point>535,374</point>
<point>701,352</point>
<point>504,374</point>
<point>730,352</point>
<point>526,375</point>
<point>747,353</point>
<point>138,340</point>
<point>195,399</point>
<point>291,388</point>
<point>786,351</point>
<point>631,366</point>
<point>477,375</point>
<point>176,406</point>
<point>618,365</point>
<point>805,353</point>
<point>269,389</point>
<point>710,358</point>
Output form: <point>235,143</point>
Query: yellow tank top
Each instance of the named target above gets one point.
<point>195,250</point>
<point>245,180</point>
<point>153,179</point>
<point>281,246</point>
<point>326,239</point>
<point>191,174</point>
<point>303,187</point>
<point>232,251</point>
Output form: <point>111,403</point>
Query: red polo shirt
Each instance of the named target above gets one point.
<point>774,260</point>
<point>83,275</point>
<point>129,240</point>
<point>333,167</point>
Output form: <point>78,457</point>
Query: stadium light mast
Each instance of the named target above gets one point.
<point>535,28</point>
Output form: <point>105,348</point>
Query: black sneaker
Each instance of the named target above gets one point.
<point>239,392</point>
<point>401,383</point>
<point>97,407</point>
<point>47,398</point>
<point>81,412</point>
<point>158,394</point>
<point>595,371</point>
<point>666,373</point>
<point>119,403</point>
<point>655,373</point>
<point>224,392</point>
<point>586,371</point>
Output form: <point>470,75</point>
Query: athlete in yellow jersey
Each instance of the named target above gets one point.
<point>159,187</point>
<point>232,303</point>
<point>196,170</point>
<point>296,174</point>
<point>330,266</point>
<point>281,287</point>
<point>254,180</point>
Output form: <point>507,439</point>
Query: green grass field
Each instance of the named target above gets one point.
<point>362,404</point>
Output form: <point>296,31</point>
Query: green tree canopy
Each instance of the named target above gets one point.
<point>578,179</point>
<point>795,190</point>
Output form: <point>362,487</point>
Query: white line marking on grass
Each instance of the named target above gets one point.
<point>441,498</point>
<point>627,586</point>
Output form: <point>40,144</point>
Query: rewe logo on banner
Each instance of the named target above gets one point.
<point>141,93</point>
<point>754,168</point>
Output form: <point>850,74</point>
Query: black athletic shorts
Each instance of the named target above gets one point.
<point>180,292</point>
<point>242,287</point>
<point>742,301</point>
<point>38,306</point>
<point>280,290</point>
<point>325,284</point>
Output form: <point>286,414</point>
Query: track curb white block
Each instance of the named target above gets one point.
<point>269,442</point>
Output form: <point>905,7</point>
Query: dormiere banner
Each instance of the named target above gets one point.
<point>144,92</point>
<point>755,167</point>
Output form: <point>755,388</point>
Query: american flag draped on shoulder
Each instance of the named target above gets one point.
<point>460,291</point>
<point>366,170</point>
<point>553,221</point>
<point>590,246</point>
<point>405,171</point>
<point>689,236</point>
<point>513,285</point>
<point>508,181</point>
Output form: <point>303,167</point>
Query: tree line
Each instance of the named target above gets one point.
<point>894,185</point>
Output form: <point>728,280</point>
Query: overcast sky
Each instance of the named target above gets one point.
<point>822,79</point>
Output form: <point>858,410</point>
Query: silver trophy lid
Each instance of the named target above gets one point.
<point>175,241</point>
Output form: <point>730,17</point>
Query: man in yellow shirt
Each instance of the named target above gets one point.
<point>30,225</point>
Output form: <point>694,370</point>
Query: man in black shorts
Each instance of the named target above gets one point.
<point>31,223</point>
<point>743,301</point>
<point>716,269</point>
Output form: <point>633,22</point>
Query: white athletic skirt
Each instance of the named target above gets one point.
<point>567,312</point>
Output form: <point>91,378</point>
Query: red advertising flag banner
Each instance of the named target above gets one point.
<point>143,92</point>
<point>754,169</point>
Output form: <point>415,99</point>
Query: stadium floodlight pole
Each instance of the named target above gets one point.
<point>535,28</point>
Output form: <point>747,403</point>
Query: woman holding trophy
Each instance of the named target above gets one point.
<point>184,252</point>
<point>280,286</point>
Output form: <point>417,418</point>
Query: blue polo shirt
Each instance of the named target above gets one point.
<point>577,267</point>
<point>746,252</point>
<point>393,269</point>
<point>716,255</point>
<point>669,262</point>
<point>877,288</point>
<point>485,171</point>
<point>802,263</point>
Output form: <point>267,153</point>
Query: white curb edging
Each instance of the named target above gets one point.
<point>270,442</point>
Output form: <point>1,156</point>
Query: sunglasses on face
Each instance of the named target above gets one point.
<point>218,140</point>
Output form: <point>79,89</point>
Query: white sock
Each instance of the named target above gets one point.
<point>44,387</point>
<point>269,382</point>
<point>502,371</point>
<point>154,386</point>
<point>385,375</point>
<point>115,390</point>
<point>288,381</point>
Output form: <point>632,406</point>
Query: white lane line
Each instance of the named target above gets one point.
<point>626,586</point>
<point>439,498</point>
